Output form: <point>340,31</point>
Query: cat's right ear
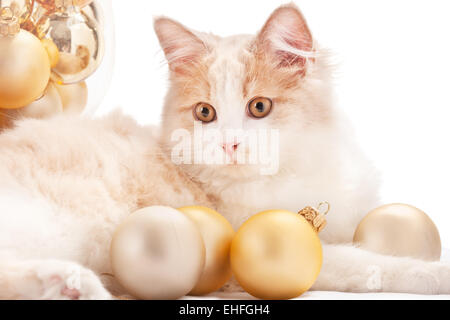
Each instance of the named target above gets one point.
<point>181,47</point>
<point>286,38</point>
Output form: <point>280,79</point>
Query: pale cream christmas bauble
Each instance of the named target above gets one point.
<point>157,253</point>
<point>49,104</point>
<point>399,230</point>
<point>74,97</point>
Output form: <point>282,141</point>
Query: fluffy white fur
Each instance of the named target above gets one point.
<point>66,182</point>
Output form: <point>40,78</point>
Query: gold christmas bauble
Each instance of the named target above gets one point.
<point>157,253</point>
<point>74,97</point>
<point>399,230</point>
<point>24,70</point>
<point>48,105</point>
<point>80,43</point>
<point>276,254</point>
<point>217,234</point>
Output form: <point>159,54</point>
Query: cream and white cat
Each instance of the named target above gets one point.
<point>66,183</point>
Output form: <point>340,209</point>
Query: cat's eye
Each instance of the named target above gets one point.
<point>259,107</point>
<point>204,112</point>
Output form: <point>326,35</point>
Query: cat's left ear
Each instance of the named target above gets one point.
<point>286,37</point>
<point>181,46</point>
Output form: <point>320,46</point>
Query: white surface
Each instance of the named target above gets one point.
<point>392,78</point>
<point>329,295</point>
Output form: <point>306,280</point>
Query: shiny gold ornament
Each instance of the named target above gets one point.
<point>52,50</point>
<point>79,40</point>
<point>276,254</point>
<point>46,106</point>
<point>399,230</point>
<point>21,9</point>
<point>74,97</point>
<point>24,70</point>
<point>157,253</point>
<point>217,234</point>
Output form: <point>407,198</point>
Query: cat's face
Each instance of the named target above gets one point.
<point>241,98</point>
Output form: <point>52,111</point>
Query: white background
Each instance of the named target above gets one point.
<point>392,78</point>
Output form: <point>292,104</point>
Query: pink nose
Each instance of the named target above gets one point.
<point>230,148</point>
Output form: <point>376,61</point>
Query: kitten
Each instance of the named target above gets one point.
<point>67,182</point>
<point>318,159</point>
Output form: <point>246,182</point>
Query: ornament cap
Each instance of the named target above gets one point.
<point>315,217</point>
<point>9,24</point>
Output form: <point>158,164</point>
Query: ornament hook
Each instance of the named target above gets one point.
<point>315,217</point>
<point>322,204</point>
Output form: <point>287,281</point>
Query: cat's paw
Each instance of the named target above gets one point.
<point>415,279</point>
<point>68,281</point>
<point>429,278</point>
<point>421,280</point>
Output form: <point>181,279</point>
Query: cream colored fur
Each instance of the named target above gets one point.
<point>67,182</point>
<point>65,185</point>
